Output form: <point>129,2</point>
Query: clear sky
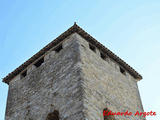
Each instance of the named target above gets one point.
<point>130,28</point>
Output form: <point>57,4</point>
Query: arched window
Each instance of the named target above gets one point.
<point>106,116</point>
<point>53,115</point>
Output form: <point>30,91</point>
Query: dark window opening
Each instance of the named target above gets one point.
<point>24,74</point>
<point>39,62</point>
<point>122,71</point>
<point>59,48</point>
<point>53,116</point>
<point>93,48</point>
<point>106,116</point>
<point>103,56</point>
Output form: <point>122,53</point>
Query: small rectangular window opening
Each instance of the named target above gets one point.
<point>122,71</point>
<point>59,48</point>
<point>93,48</point>
<point>39,62</point>
<point>103,56</point>
<point>24,74</point>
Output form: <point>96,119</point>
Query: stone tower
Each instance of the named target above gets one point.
<point>73,78</point>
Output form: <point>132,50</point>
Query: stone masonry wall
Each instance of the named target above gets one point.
<point>104,86</point>
<point>55,85</point>
<point>75,81</point>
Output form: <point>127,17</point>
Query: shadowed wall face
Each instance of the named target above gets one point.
<point>107,85</point>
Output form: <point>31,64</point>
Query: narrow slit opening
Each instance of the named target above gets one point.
<point>24,74</point>
<point>93,48</point>
<point>53,115</point>
<point>122,71</point>
<point>106,116</point>
<point>103,56</point>
<point>59,48</point>
<point>39,62</point>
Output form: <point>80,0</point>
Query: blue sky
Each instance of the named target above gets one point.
<point>131,29</point>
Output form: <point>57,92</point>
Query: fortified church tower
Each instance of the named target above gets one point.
<point>73,78</point>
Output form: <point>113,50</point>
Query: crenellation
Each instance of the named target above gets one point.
<point>15,79</point>
<point>69,40</point>
<point>49,54</point>
<point>30,68</point>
